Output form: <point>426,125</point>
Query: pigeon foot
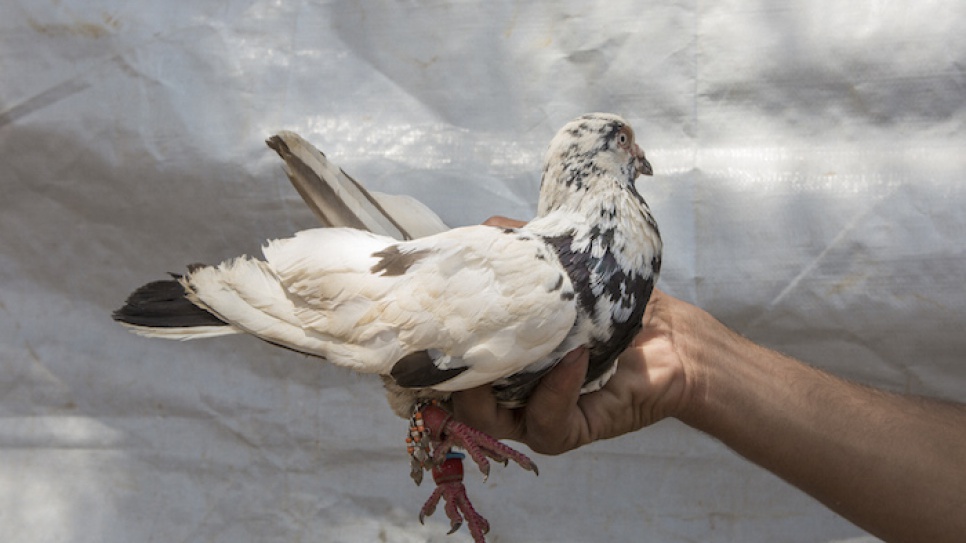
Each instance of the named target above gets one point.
<point>445,433</point>
<point>449,486</point>
<point>432,436</point>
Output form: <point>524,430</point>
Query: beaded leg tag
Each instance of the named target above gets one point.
<point>419,444</point>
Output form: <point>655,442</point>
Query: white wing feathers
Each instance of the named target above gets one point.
<point>339,200</point>
<point>474,297</point>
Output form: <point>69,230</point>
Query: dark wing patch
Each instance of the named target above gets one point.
<point>578,265</point>
<point>392,261</point>
<point>596,277</point>
<point>418,370</point>
<point>604,354</point>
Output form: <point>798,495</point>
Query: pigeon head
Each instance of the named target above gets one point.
<point>590,153</point>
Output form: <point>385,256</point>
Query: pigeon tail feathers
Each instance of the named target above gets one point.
<point>162,309</point>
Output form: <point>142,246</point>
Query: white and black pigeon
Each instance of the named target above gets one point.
<point>450,311</point>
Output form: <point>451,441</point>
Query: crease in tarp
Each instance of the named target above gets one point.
<point>44,99</point>
<point>818,259</point>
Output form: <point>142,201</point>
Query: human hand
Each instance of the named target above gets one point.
<point>650,384</point>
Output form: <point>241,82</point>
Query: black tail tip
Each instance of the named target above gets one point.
<point>163,304</point>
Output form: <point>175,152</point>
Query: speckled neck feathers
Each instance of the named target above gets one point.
<point>588,193</point>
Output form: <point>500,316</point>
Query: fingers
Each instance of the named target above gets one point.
<point>561,386</point>
<point>503,222</point>
<point>656,299</point>
<point>478,408</point>
<point>553,419</point>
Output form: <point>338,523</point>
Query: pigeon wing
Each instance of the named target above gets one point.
<point>451,311</point>
<point>339,200</point>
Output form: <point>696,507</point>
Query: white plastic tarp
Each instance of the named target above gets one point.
<point>809,160</point>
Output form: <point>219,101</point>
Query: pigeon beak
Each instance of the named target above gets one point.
<point>643,166</point>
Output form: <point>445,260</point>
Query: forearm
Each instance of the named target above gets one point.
<point>893,465</point>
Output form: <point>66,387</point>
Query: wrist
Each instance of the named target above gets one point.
<point>711,358</point>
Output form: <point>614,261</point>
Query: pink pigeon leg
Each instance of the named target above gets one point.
<point>449,486</point>
<point>478,445</point>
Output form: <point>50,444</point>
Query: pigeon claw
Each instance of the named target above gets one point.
<point>448,476</point>
<point>477,444</point>
<point>416,471</point>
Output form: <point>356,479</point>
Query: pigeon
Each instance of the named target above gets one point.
<point>448,311</point>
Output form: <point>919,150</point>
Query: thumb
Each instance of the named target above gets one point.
<point>552,409</point>
<point>562,384</point>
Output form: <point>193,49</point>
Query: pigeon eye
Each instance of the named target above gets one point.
<point>622,138</point>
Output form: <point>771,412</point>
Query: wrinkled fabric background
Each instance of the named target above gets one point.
<point>809,160</point>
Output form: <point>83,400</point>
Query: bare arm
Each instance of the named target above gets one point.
<point>894,465</point>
